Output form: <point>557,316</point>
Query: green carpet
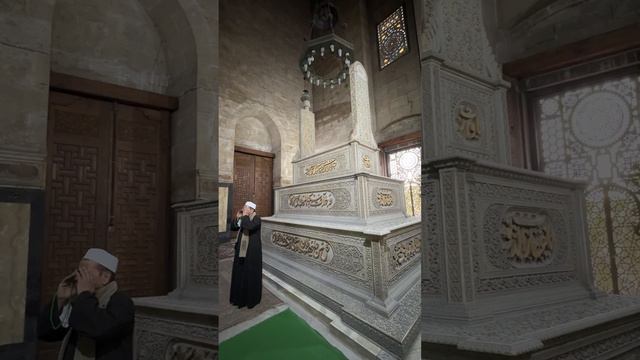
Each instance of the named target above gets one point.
<point>281,337</point>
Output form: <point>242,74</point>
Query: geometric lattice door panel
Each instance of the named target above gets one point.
<point>253,181</point>
<point>107,187</point>
<point>593,133</point>
<point>138,231</point>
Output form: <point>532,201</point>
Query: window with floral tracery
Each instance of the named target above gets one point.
<point>405,165</point>
<point>392,37</point>
<point>593,133</point>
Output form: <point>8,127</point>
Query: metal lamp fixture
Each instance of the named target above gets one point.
<point>327,58</point>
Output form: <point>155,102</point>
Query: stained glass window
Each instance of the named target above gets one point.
<point>593,133</point>
<point>392,38</point>
<point>405,165</point>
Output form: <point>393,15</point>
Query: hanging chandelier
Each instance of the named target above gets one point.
<point>327,57</point>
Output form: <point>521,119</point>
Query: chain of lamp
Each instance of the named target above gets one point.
<point>328,49</point>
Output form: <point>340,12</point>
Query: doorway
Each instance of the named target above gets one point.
<point>107,186</point>
<point>253,180</point>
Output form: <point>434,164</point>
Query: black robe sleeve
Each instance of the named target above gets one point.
<point>251,225</point>
<point>234,224</point>
<point>101,324</point>
<point>49,326</point>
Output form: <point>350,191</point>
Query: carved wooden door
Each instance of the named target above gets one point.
<point>107,186</point>
<point>253,181</point>
<point>263,188</point>
<point>138,232</point>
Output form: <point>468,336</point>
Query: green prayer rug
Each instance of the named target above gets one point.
<point>281,337</point>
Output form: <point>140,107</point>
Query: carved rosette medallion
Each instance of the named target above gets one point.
<point>366,161</point>
<point>321,199</point>
<point>405,251</point>
<point>316,249</point>
<point>384,198</point>
<point>467,123</point>
<point>321,167</point>
<point>527,238</point>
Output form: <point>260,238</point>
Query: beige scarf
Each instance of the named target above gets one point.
<point>244,240</point>
<point>86,346</point>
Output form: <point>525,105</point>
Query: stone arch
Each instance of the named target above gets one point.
<point>189,34</point>
<point>275,137</point>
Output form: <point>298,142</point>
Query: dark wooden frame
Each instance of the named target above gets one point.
<point>96,89</point>
<point>28,348</point>
<point>578,52</point>
<point>401,142</point>
<point>247,150</point>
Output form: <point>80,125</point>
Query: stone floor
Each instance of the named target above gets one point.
<point>229,314</point>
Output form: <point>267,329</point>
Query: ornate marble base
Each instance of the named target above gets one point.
<point>368,275</point>
<point>604,328</point>
<point>170,328</point>
<point>507,272</point>
<point>184,324</point>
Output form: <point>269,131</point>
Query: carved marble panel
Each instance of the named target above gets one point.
<point>316,249</point>
<point>432,235</point>
<point>322,166</point>
<point>385,197</point>
<point>367,160</point>
<point>158,337</point>
<point>471,128</point>
<point>343,256</point>
<point>522,237</point>
<point>403,252</point>
<point>331,198</point>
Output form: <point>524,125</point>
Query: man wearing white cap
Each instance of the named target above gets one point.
<point>246,275</point>
<point>92,318</point>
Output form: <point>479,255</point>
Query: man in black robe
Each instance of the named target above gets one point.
<point>246,275</point>
<point>92,318</point>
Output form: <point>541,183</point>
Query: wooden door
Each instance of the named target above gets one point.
<point>138,232</point>
<point>253,181</point>
<point>107,187</point>
<point>77,190</point>
<point>79,148</point>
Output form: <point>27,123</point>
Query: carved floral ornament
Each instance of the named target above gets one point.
<point>366,161</point>
<point>384,197</point>
<point>527,237</point>
<point>322,199</point>
<point>467,123</point>
<point>405,251</point>
<point>316,249</point>
<point>321,168</point>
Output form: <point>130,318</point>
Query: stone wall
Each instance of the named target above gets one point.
<point>396,87</point>
<point>259,77</point>
<point>25,34</point>
<point>130,53</point>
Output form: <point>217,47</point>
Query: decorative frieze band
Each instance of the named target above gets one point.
<point>321,199</point>
<point>316,249</point>
<point>405,251</point>
<point>384,198</point>
<point>321,167</point>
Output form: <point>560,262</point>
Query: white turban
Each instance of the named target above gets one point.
<point>103,258</point>
<point>250,204</point>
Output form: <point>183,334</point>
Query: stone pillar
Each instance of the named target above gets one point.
<point>361,120</point>
<point>186,318</point>
<point>307,127</point>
